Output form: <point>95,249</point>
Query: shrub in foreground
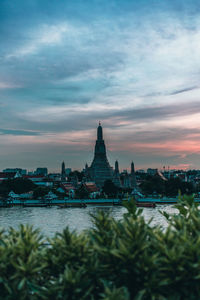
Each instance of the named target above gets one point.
<point>114,260</point>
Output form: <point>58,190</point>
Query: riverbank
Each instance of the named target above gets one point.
<point>57,202</point>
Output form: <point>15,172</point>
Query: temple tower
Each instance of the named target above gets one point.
<point>133,182</point>
<point>100,170</point>
<point>116,167</point>
<point>116,176</point>
<point>63,173</point>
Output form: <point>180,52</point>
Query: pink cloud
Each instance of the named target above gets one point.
<point>182,147</point>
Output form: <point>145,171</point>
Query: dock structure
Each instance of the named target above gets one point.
<point>58,202</point>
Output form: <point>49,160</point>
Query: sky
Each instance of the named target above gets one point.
<point>133,65</point>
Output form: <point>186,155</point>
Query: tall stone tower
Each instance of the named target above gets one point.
<point>100,170</point>
<point>63,172</point>
<point>133,182</point>
<point>116,167</point>
<point>116,177</point>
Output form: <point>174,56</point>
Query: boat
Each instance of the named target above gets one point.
<point>70,205</point>
<point>36,205</point>
<point>146,204</point>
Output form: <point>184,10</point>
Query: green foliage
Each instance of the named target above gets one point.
<point>114,260</point>
<point>77,174</point>
<point>110,189</point>
<point>18,185</point>
<point>169,188</point>
<point>174,185</point>
<point>21,263</point>
<point>40,192</point>
<point>153,184</point>
<point>82,193</point>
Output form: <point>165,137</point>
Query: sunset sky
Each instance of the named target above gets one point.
<point>132,64</point>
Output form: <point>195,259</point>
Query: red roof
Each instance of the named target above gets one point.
<point>68,186</point>
<point>91,187</point>
<point>3,175</point>
<point>33,176</point>
<point>7,175</point>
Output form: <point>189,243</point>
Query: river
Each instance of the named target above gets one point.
<point>51,220</point>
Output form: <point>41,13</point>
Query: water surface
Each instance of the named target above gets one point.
<point>51,219</point>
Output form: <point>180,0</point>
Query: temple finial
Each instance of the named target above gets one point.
<point>99,132</point>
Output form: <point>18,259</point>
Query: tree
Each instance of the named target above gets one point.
<point>17,185</point>
<point>82,193</point>
<point>110,189</point>
<point>77,174</point>
<point>153,184</point>
<point>174,185</point>
<point>40,192</point>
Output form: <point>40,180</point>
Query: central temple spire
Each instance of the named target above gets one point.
<point>100,169</point>
<point>99,132</point>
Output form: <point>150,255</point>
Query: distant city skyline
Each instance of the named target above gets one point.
<point>133,65</point>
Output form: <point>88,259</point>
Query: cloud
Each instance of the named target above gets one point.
<point>184,90</point>
<point>8,85</point>
<point>46,36</point>
<point>159,112</point>
<point>18,132</point>
<point>134,65</point>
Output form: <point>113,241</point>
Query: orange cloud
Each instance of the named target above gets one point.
<point>182,147</point>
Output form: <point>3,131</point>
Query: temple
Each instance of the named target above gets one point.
<point>63,172</point>
<point>100,169</point>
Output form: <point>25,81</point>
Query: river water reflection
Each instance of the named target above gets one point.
<point>52,220</point>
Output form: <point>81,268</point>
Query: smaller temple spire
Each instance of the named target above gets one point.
<point>133,176</point>
<point>132,168</point>
<point>63,172</point>
<point>116,167</point>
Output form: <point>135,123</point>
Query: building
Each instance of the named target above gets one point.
<point>63,172</point>
<point>68,188</point>
<point>39,180</point>
<point>68,171</point>
<point>100,169</point>
<point>15,170</point>
<point>152,172</point>
<point>116,176</point>
<point>129,180</point>
<point>56,177</point>
<point>141,171</point>
<point>133,183</point>
<point>91,189</point>
<point>41,171</point>
<point>6,176</point>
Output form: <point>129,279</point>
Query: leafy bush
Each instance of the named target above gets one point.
<point>114,260</point>
<point>40,191</point>
<point>170,187</point>
<point>18,185</point>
